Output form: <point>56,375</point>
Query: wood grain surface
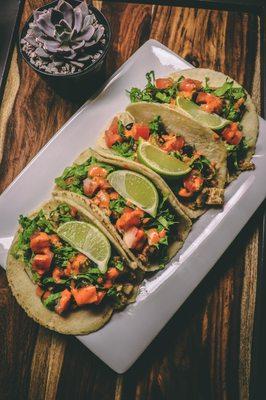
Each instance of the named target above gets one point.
<point>205,351</point>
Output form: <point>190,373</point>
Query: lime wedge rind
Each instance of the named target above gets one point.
<point>161,162</point>
<point>87,239</point>
<point>212,121</point>
<point>135,188</point>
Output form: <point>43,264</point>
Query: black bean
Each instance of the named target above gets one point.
<point>188,150</point>
<point>129,126</point>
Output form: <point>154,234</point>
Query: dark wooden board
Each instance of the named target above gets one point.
<point>205,351</point>
<point>10,13</point>
<point>231,5</point>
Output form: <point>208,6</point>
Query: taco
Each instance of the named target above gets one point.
<point>151,234</point>
<point>58,285</point>
<point>213,100</point>
<point>175,139</point>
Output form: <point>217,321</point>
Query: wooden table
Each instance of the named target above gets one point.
<point>211,349</point>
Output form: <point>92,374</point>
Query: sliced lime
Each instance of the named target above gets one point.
<point>135,188</point>
<point>87,239</point>
<point>159,161</point>
<point>212,121</point>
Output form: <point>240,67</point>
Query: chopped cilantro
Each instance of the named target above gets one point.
<point>121,129</point>
<point>151,94</point>
<point>63,254</point>
<point>29,227</point>
<point>61,214</point>
<point>230,96</point>
<point>236,153</point>
<point>125,149</point>
<point>118,205</point>
<point>156,126</point>
<point>73,177</point>
<point>119,265</point>
<point>52,300</point>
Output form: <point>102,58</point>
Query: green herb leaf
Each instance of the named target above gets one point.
<point>125,149</point>
<point>52,301</point>
<point>157,127</point>
<point>223,89</point>
<point>118,205</point>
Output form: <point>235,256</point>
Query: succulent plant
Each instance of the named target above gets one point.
<point>65,38</point>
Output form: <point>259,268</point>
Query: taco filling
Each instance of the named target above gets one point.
<point>198,187</point>
<point>65,278</point>
<point>147,236</point>
<point>226,101</point>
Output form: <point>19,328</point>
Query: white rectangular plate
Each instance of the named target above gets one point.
<point>129,332</point>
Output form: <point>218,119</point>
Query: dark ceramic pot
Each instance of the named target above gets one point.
<point>78,85</point>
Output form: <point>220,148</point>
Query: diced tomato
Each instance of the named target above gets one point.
<point>140,130</point>
<point>216,137</point>
<point>63,302</point>
<point>108,284</point>
<point>163,83</point>
<point>114,126</point>
<point>134,238</point>
<point>173,143</point>
<point>153,236</point>
<point>111,138</point>
<point>100,280</point>
<point>100,296</point>
<point>183,192</point>
<point>186,95</point>
<point>237,138</point>
<point>73,211</point>
<point>193,182</point>
<point>189,85</point>
<point>39,241</point>
<point>90,186</point>
<point>42,261</point>
<point>111,135</point>
<point>129,219</point>
<point>78,261</point>
<point>113,195</point>
<point>162,233</point>
<point>85,295</point>
<point>46,295</point>
<point>55,240</point>
<point>102,182</point>
<point>172,103</point>
<point>103,199</point>
<point>232,134</point>
<point>112,273</point>
<point>68,270</point>
<point>97,171</point>
<point>39,291</point>
<point>209,102</point>
<point>58,274</point>
<point>146,220</point>
<point>239,103</point>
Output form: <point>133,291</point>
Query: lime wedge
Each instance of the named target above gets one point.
<point>135,188</point>
<point>212,121</point>
<point>159,161</point>
<point>87,239</point>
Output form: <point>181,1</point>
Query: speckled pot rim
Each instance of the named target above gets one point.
<point>100,17</point>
